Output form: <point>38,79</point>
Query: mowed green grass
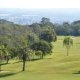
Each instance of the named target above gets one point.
<point>57,66</point>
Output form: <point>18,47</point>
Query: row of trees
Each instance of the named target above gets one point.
<point>26,41</point>
<point>29,41</point>
<point>68,29</point>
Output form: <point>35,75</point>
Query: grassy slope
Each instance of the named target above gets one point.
<point>57,66</point>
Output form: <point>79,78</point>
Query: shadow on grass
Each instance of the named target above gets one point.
<point>35,59</point>
<point>77,72</point>
<point>6,74</point>
<point>17,62</point>
<point>39,59</point>
<point>5,63</point>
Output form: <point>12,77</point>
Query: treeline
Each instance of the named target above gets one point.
<point>27,42</point>
<point>68,29</point>
<point>14,36</point>
<point>16,40</point>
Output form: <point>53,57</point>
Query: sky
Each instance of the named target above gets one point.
<point>39,4</point>
<point>56,10</point>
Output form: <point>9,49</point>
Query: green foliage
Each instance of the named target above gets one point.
<point>67,42</point>
<point>43,46</point>
<point>68,29</point>
<point>45,21</point>
<point>17,37</point>
<point>48,36</point>
<point>32,38</point>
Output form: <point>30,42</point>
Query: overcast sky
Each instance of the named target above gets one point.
<point>39,4</point>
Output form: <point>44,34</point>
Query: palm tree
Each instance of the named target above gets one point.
<point>67,42</point>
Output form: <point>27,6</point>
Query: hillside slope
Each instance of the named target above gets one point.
<point>57,66</point>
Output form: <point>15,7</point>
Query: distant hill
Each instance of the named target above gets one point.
<point>12,33</point>
<point>29,16</point>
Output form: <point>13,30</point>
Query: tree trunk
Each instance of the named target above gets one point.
<point>0,67</point>
<point>67,51</point>
<point>24,60</point>
<point>7,59</point>
<point>42,56</point>
<point>23,65</point>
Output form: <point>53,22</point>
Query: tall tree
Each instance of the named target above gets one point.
<point>67,42</point>
<point>23,52</point>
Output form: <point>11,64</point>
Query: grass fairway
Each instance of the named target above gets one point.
<point>57,66</point>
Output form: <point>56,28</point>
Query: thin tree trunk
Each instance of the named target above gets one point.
<point>67,51</point>
<point>23,65</point>
<point>24,60</point>
<point>42,56</point>
<point>7,59</point>
<point>0,67</point>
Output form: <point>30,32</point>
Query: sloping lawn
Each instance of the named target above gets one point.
<point>57,66</point>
